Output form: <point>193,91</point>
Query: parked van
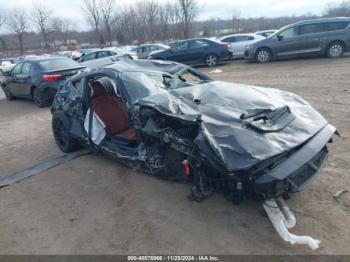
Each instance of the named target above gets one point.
<point>327,36</point>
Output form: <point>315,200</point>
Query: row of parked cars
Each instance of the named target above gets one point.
<point>328,36</point>
<point>38,77</point>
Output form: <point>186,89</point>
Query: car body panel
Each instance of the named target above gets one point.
<point>239,42</point>
<point>310,43</point>
<point>221,106</point>
<point>144,51</point>
<point>29,75</point>
<point>193,54</point>
<point>214,127</point>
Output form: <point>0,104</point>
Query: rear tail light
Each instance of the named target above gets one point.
<point>52,78</point>
<point>227,46</point>
<point>187,168</point>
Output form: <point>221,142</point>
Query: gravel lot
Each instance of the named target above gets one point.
<point>93,205</point>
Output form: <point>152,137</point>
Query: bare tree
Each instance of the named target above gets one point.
<point>236,21</point>
<point>17,22</point>
<point>41,16</point>
<point>341,9</point>
<point>152,11</point>
<point>62,29</point>
<point>107,12</point>
<point>2,42</point>
<point>186,12</point>
<point>92,10</point>
<point>166,18</point>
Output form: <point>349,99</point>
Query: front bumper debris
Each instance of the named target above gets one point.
<point>282,218</point>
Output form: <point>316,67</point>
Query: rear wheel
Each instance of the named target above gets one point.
<point>335,50</point>
<point>61,130</point>
<point>39,98</point>
<point>263,55</point>
<point>7,92</point>
<point>211,60</point>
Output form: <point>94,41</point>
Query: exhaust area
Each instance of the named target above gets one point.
<point>282,218</point>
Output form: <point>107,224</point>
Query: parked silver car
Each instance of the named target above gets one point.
<point>239,42</point>
<point>144,51</point>
<point>266,33</point>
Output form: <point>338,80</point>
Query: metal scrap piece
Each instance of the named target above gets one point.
<point>40,167</point>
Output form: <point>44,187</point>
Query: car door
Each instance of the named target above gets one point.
<point>145,52</point>
<point>197,51</point>
<point>12,83</point>
<point>239,45</point>
<point>139,52</point>
<point>230,40</point>
<point>152,48</point>
<point>103,54</point>
<point>89,57</point>
<point>287,42</point>
<point>24,79</point>
<point>178,52</point>
<point>311,37</point>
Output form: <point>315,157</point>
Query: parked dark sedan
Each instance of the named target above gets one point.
<point>199,51</point>
<point>327,36</point>
<point>38,78</point>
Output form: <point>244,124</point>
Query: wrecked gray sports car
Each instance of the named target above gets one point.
<point>169,120</point>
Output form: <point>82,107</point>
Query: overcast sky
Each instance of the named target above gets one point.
<point>209,8</point>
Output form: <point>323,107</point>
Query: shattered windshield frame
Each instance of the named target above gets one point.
<point>140,84</point>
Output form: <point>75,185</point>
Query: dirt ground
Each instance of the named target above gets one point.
<point>93,205</point>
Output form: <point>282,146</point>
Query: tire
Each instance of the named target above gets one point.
<point>39,99</point>
<point>335,50</point>
<point>8,94</point>
<point>263,55</point>
<point>211,60</point>
<point>61,131</point>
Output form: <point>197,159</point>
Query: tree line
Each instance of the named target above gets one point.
<point>140,22</point>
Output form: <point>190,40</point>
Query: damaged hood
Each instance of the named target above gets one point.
<point>242,124</point>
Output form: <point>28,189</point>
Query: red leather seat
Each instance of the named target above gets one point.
<point>110,109</point>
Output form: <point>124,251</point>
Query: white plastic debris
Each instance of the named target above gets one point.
<point>339,194</point>
<point>283,218</point>
<point>216,71</point>
<point>98,132</point>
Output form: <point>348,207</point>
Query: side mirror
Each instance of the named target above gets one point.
<point>280,37</point>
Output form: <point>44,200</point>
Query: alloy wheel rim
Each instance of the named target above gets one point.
<point>60,132</point>
<point>37,98</point>
<point>211,60</point>
<point>263,56</point>
<point>335,50</point>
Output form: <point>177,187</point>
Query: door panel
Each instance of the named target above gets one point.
<point>12,82</point>
<point>289,43</point>
<point>311,35</point>
<point>24,80</point>
<point>196,51</point>
<point>179,52</point>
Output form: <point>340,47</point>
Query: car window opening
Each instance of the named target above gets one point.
<point>110,116</point>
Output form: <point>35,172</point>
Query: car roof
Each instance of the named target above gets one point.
<point>42,58</point>
<point>265,31</point>
<point>247,34</point>
<point>319,20</point>
<point>158,44</point>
